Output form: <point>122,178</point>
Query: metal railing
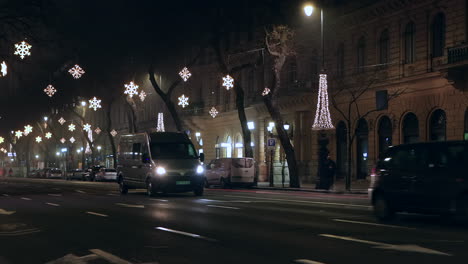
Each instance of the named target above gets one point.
<point>457,54</point>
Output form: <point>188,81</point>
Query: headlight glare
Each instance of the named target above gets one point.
<point>200,169</point>
<point>160,170</point>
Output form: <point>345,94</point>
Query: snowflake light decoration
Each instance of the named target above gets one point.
<point>38,139</point>
<point>2,140</point>
<point>228,82</point>
<point>50,90</point>
<point>185,74</point>
<point>3,70</point>
<point>160,127</point>
<point>142,96</point>
<point>113,133</point>
<point>72,140</point>
<point>131,89</point>
<point>87,127</point>
<point>98,131</point>
<point>183,101</point>
<point>213,112</point>
<point>95,103</point>
<point>62,121</point>
<point>18,133</point>
<point>76,71</point>
<point>72,127</point>
<point>48,135</point>
<point>63,140</point>
<point>27,129</point>
<point>266,91</point>
<point>22,49</point>
<point>322,119</point>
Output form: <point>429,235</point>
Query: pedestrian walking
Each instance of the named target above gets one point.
<point>331,170</point>
<point>10,173</point>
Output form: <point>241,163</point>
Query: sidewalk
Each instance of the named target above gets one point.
<point>357,187</point>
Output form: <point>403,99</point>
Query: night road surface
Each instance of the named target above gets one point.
<point>56,221</point>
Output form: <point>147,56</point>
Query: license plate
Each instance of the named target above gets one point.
<point>182,182</point>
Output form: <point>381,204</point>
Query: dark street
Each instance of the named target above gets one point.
<point>43,221</point>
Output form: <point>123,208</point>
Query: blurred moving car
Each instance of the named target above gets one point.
<point>34,174</point>
<point>106,175</point>
<point>91,172</point>
<point>427,177</point>
<point>228,172</point>
<point>54,174</point>
<point>78,174</point>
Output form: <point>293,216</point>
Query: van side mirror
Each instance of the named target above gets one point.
<point>202,157</point>
<point>145,158</point>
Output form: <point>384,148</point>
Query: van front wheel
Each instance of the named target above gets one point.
<point>382,210</point>
<point>122,187</point>
<point>150,189</point>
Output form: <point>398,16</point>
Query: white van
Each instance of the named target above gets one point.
<point>160,162</point>
<point>229,172</point>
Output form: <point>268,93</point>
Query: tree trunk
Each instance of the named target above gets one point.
<point>243,120</point>
<point>175,116</point>
<point>285,142</point>
<point>133,119</point>
<point>108,130</point>
<point>350,159</point>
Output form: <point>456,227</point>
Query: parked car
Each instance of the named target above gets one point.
<point>106,175</point>
<point>69,174</point>
<point>54,174</point>
<point>78,174</point>
<point>228,172</point>
<point>160,162</point>
<point>423,178</point>
<point>34,174</point>
<point>91,172</point>
<point>42,173</point>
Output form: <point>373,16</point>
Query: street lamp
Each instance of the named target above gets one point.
<point>83,103</point>
<point>251,125</point>
<point>286,126</point>
<point>46,118</point>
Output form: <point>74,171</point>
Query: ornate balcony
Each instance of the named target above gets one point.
<point>457,54</point>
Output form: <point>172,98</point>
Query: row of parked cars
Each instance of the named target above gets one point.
<point>95,173</point>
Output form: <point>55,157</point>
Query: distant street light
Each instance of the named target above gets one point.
<point>46,118</point>
<point>308,9</point>
<point>83,103</point>
<point>286,126</point>
<point>251,125</point>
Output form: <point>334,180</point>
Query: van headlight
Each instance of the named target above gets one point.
<point>200,169</point>
<point>160,170</point>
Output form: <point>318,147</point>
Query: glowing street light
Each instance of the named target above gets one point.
<point>308,9</point>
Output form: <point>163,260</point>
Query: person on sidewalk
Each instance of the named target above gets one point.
<point>331,169</point>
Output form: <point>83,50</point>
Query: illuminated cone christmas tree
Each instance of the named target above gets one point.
<point>322,115</point>
<point>160,127</point>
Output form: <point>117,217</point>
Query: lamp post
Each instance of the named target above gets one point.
<point>322,119</point>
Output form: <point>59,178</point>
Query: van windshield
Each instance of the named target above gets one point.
<point>173,150</point>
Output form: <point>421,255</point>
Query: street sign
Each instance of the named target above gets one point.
<point>271,143</point>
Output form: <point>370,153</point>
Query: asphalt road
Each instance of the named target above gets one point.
<point>55,221</point>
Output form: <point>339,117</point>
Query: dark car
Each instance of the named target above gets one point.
<point>422,178</point>
<point>78,174</point>
<point>92,172</point>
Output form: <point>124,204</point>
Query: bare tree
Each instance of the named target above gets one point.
<point>280,44</point>
<point>346,101</point>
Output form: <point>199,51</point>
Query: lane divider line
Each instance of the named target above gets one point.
<point>184,233</point>
<point>299,201</point>
<point>98,214</point>
<point>372,224</point>
<point>160,200</point>
<point>6,195</point>
<point>79,191</point>
<point>109,257</point>
<point>225,207</point>
<point>26,199</point>
<point>131,205</point>
<point>307,261</point>
<point>54,194</point>
<point>53,204</point>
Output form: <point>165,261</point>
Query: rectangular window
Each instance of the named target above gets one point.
<point>381,100</point>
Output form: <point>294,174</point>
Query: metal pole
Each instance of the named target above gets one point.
<point>272,183</point>
<point>322,39</point>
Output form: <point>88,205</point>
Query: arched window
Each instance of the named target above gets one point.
<point>465,134</point>
<point>340,60</point>
<point>410,128</point>
<point>384,46</point>
<point>409,42</point>
<point>385,134</point>
<point>239,147</point>
<point>362,144</point>
<point>341,149</point>
<point>361,49</point>
<point>437,129</point>
<point>438,35</point>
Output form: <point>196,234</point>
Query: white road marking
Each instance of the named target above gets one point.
<point>226,207</point>
<point>27,199</point>
<point>131,205</point>
<point>299,201</point>
<point>209,200</point>
<point>112,194</point>
<point>160,200</point>
<point>53,204</point>
<point>20,232</point>
<point>307,261</point>
<point>6,195</point>
<point>5,212</point>
<point>406,248</point>
<point>373,224</point>
<point>98,214</point>
<point>184,233</point>
<point>109,257</point>
<point>54,194</point>
<point>79,191</point>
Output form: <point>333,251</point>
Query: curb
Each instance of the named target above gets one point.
<point>360,192</point>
